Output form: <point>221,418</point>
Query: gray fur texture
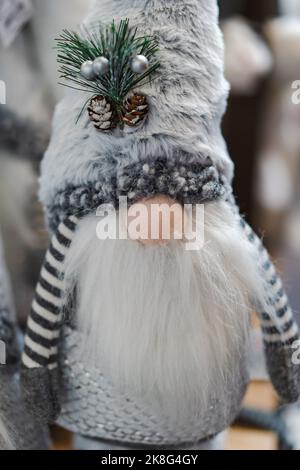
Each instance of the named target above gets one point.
<point>187,102</point>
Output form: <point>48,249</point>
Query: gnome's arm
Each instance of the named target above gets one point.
<point>280,331</point>
<point>40,375</point>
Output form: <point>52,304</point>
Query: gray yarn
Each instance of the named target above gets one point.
<point>187,183</point>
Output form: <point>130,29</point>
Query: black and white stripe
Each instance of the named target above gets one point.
<point>280,329</point>
<point>43,328</point>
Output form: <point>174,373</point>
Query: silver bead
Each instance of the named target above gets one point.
<point>101,66</point>
<point>139,64</point>
<point>87,70</point>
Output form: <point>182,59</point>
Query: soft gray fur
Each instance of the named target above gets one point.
<point>187,101</point>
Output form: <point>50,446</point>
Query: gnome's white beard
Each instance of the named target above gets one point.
<point>164,323</point>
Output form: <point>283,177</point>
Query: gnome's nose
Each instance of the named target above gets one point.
<point>156,221</point>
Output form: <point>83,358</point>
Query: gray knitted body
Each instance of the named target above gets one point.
<point>177,151</point>
<point>93,406</point>
<point>20,430</point>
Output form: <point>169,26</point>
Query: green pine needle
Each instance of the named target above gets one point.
<point>119,44</point>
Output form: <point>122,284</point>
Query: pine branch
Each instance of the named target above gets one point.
<point>119,44</point>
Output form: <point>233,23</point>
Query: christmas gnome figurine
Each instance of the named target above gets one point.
<point>18,430</point>
<point>132,340</point>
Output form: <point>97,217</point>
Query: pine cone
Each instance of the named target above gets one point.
<point>102,114</point>
<point>136,109</point>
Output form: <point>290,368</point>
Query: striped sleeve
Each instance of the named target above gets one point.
<point>282,328</point>
<point>43,327</point>
<point>280,331</point>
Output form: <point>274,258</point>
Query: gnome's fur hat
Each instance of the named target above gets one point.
<point>178,151</point>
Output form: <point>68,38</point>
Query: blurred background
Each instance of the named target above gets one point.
<point>261,127</point>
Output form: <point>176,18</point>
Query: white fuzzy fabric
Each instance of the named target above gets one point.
<point>187,100</point>
<point>167,325</point>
